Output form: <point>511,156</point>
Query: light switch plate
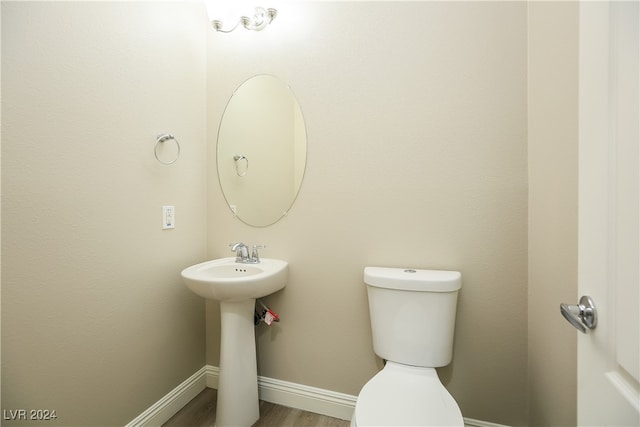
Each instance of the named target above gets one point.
<point>168,217</point>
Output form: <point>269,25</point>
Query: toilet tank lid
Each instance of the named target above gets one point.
<point>409,279</point>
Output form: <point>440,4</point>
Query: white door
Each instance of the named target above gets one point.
<point>609,259</point>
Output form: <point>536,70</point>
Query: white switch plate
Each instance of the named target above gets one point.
<point>168,217</point>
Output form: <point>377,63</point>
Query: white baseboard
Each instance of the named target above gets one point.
<point>470,422</point>
<point>292,395</point>
<point>298,396</point>
<point>306,398</point>
<point>212,373</point>
<point>158,413</point>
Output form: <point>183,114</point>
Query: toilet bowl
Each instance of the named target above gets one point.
<point>412,321</point>
<point>402,395</point>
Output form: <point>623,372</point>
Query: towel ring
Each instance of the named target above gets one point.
<point>237,158</point>
<point>161,139</point>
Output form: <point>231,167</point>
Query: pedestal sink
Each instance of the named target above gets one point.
<point>236,286</point>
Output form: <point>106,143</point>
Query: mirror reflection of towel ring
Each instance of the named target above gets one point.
<point>161,139</point>
<point>237,159</point>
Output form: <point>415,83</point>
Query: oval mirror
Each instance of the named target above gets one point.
<point>262,150</point>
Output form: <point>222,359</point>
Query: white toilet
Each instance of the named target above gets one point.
<point>412,320</point>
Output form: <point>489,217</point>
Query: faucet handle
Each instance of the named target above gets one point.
<point>254,255</point>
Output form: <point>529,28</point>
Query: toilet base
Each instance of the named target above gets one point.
<point>403,395</point>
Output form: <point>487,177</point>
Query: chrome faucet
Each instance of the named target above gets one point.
<point>242,253</point>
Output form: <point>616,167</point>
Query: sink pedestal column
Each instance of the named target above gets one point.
<point>238,379</point>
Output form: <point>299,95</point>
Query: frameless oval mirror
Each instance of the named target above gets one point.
<point>262,150</point>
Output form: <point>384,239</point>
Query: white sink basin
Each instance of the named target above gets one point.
<point>237,286</point>
<point>226,280</point>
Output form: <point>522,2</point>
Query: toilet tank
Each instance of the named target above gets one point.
<point>413,314</point>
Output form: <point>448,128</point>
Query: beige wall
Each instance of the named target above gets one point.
<point>96,323</point>
<point>417,122</point>
<point>416,119</point>
<point>553,210</point>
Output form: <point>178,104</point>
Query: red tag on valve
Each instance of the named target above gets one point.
<point>270,317</point>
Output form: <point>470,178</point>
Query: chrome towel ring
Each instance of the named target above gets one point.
<point>161,139</point>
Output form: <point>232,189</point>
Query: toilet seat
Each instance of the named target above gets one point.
<point>402,395</point>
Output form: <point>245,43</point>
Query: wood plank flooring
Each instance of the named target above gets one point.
<point>201,412</point>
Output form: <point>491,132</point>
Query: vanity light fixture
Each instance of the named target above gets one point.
<point>260,19</point>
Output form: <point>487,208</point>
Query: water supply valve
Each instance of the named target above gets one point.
<point>265,314</point>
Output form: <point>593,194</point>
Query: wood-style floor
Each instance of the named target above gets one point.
<point>201,412</point>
